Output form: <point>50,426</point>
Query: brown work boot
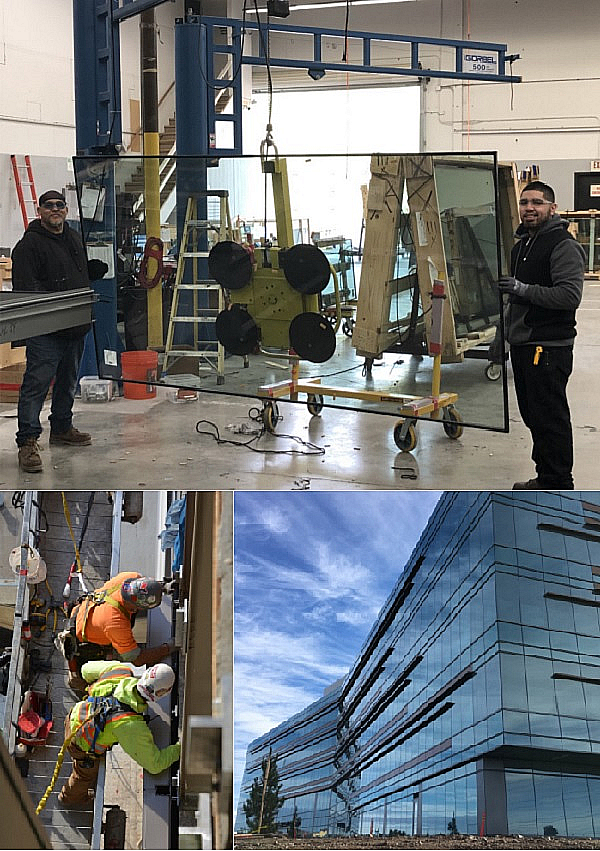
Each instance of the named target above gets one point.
<point>80,803</point>
<point>29,456</point>
<point>78,685</point>
<point>72,437</point>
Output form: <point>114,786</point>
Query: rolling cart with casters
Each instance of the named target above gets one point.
<point>410,408</point>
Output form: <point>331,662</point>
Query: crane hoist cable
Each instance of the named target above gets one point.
<point>67,514</point>
<point>76,565</point>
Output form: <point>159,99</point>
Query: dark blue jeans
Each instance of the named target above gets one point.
<point>48,356</point>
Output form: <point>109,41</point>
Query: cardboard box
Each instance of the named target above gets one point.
<point>5,273</point>
<point>10,382</point>
<point>11,378</point>
<point>10,356</point>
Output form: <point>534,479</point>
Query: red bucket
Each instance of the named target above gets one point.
<point>142,367</point>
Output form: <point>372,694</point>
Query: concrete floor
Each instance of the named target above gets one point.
<point>154,443</point>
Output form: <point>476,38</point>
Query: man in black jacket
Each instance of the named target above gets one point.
<point>544,291</point>
<point>50,257</point>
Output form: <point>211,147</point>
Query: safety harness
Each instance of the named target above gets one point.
<point>96,598</point>
<point>106,709</point>
<point>92,715</point>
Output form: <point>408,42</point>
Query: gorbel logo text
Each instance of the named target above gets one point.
<point>474,57</point>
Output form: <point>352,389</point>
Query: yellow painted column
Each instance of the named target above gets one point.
<point>151,167</point>
<point>152,215</point>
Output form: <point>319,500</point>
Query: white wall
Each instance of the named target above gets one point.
<point>140,544</point>
<point>551,117</point>
<point>37,92</point>
<point>36,99</point>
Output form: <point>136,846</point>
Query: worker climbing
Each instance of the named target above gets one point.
<point>102,625</point>
<point>113,713</point>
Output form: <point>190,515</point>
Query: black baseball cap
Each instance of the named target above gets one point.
<point>50,195</point>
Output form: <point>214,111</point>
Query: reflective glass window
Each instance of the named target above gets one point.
<point>514,694</point>
<point>521,803</point>
<point>578,807</point>
<point>549,804</point>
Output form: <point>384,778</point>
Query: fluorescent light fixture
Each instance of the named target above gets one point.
<point>336,3</point>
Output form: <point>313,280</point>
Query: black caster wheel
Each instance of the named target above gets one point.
<point>314,404</point>
<point>407,442</point>
<point>493,371</point>
<point>348,327</point>
<point>452,423</point>
<point>270,416</point>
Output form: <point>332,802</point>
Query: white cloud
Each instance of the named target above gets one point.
<point>355,618</point>
<point>311,574</point>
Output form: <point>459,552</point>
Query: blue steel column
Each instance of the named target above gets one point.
<point>191,144</point>
<point>191,109</point>
<point>96,50</point>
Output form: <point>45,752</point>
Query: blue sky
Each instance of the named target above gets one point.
<point>312,571</point>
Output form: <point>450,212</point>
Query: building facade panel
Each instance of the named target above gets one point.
<point>474,703</point>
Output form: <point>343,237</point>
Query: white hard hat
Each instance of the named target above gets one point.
<point>156,681</point>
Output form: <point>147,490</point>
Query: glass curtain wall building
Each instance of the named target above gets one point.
<point>474,704</point>
<point>304,748</point>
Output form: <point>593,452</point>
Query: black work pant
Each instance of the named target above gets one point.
<point>542,397</point>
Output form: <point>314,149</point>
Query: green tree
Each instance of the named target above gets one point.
<point>452,828</point>
<point>294,824</point>
<point>264,799</point>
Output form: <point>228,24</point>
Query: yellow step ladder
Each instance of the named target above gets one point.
<point>207,296</point>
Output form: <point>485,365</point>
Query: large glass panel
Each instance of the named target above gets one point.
<point>520,803</point>
<point>549,802</point>
<point>578,808</point>
<point>288,282</point>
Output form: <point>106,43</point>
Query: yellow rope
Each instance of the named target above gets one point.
<point>59,762</point>
<point>67,514</point>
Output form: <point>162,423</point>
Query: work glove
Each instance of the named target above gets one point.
<point>96,269</point>
<point>512,286</point>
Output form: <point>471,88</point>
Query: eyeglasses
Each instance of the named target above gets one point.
<point>54,205</point>
<point>537,202</point>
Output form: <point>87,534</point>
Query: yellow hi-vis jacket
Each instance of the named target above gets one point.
<point>126,725</point>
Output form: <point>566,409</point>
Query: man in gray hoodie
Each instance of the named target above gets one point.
<point>544,291</point>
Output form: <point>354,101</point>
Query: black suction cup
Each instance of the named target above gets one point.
<point>306,268</point>
<point>230,265</point>
<point>237,331</point>
<point>312,337</point>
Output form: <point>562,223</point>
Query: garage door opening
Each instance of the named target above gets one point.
<point>337,122</point>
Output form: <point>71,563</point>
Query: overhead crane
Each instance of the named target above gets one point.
<point>200,49</point>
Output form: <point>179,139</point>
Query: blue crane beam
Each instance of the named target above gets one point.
<point>97,62</point>
<point>493,52</point>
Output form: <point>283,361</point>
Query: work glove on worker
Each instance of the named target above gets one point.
<point>96,269</point>
<point>512,286</point>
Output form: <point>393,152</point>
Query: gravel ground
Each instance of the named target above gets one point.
<point>358,843</point>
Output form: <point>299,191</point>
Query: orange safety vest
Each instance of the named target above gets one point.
<point>98,597</point>
<point>92,715</point>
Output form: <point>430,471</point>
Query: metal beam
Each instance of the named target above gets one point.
<point>130,8</point>
<point>28,314</point>
<point>477,50</point>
